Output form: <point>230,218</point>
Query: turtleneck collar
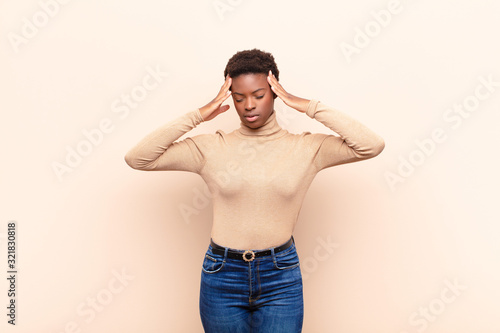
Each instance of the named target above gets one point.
<point>270,128</point>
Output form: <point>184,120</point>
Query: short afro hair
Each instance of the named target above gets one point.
<point>251,62</point>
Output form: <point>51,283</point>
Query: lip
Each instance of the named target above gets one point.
<point>251,116</point>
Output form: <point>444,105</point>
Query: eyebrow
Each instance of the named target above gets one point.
<point>253,92</point>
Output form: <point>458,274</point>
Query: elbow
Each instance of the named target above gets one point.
<point>132,161</point>
<point>374,149</point>
<point>378,147</point>
<point>138,163</point>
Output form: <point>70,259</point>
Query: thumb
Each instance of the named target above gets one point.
<point>224,108</point>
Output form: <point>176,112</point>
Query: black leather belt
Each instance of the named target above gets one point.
<point>248,255</point>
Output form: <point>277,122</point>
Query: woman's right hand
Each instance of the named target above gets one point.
<point>215,107</point>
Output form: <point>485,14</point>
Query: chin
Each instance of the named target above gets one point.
<point>253,125</point>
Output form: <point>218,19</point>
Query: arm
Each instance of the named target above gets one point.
<point>158,151</point>
<point>356,142</point>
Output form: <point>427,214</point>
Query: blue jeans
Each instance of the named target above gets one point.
<point>260,296</point>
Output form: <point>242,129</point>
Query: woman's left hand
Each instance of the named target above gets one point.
<point>299,104</point>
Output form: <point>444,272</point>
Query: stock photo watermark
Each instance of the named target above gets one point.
<point>454,116</point>
<point>94,137</point>
<point>425,315</point>
<point>12,274</point>
<point>202,196</point>
<point>363,37</point>
<point>31,26</point>
<point>89,309</point>
<point>232,171</point>
<point>221,7</point>
<point>322,252</point>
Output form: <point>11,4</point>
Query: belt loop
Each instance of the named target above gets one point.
<point>273,255</point>
<point>225,253</point>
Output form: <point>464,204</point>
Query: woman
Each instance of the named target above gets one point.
<point>258,176</point>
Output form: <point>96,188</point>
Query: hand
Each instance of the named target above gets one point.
<point>214,108</point>
<point>299,104</point>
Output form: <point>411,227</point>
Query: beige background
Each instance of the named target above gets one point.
<point>395,251</point>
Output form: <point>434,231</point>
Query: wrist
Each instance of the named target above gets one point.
<point>311,108</point>
<point>203,112</point>
<point>199,115</point>
<point>304,105</point>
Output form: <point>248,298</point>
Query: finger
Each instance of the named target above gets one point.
<point>220,110</point>
<point>277,88</point>
<point>222,97</point>
<point>284,96</point>
<point>274,82</point>
<point>273,77</point>
<point>279,93</point>
<point>225,88</point>
<point>225,85</point>
<point>228,81</point>
<point>225,96</point>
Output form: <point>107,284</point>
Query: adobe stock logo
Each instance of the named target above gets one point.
<point>40,19</point>
<point>89,309</point>
<point>363,37</point>
<point>223,6</point>
<point>421,319</point>
<point>247,151</point>
<point>324,249</point>
<point>427,146</point>
<point>94,137</point>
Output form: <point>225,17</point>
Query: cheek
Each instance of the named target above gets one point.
<point>268,100</point>
<point>239,108</point>
<point>236,105</point>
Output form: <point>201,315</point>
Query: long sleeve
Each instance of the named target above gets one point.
<point>356,142</point>
<point>158,151</point>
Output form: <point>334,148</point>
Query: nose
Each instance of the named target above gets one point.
<point>249,104</point>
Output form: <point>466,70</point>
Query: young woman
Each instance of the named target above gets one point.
<point>258,176</point>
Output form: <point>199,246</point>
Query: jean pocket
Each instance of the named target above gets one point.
<point>287,260</point>
<point>212,263</point>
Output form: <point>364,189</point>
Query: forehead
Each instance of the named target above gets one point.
<point>247,83</point>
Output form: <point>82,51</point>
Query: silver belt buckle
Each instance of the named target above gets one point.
<point>252,255</point>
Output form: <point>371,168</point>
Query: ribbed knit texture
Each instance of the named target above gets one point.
<point>257,177</point>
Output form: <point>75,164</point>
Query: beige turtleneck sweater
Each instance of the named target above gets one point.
<point>257,177</point>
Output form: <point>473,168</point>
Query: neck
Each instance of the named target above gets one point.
<point>270,128</point>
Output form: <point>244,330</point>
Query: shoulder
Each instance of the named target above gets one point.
<point>208,139</point>
<point>312,138</point>
<point>314,141</point>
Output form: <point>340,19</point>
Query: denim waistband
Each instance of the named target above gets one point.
<point>240,254</point>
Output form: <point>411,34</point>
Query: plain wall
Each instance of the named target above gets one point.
<point>404,242</point>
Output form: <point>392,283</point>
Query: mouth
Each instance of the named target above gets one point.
<point>251,118</point>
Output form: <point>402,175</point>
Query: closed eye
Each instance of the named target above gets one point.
<point>240,100</point>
